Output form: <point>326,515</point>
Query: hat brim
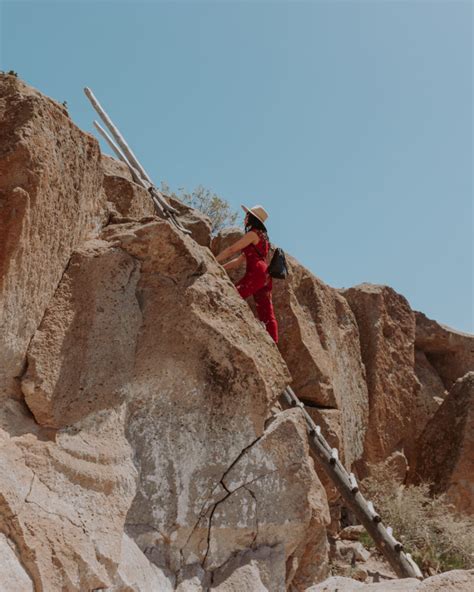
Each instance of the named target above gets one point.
<point>249,211</point>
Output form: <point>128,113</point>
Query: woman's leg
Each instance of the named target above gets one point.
<point>263,300</point>
<point>250,283</point>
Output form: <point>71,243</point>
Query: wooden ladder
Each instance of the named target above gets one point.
<point>346,484</point>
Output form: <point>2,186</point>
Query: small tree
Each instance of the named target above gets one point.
<point>212,205</point>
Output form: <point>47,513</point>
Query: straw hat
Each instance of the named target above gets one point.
<point>258,211</point>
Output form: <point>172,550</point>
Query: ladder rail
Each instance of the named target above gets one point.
<point>401,562</point>
<point>126,155</point>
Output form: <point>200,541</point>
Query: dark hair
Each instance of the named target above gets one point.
<point>253,223</point>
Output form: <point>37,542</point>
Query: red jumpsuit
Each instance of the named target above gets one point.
<point>257,283</point>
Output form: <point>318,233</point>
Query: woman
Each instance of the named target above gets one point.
<point>254,247</point>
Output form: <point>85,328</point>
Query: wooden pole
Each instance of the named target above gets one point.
<point>127,151</point>
<point>126,155</point>
<point>138,179</point>
<point>392,550</point>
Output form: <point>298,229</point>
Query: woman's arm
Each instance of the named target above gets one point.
<point>247,239</point>
<point>235,262</point>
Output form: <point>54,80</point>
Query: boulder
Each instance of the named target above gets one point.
<point>396,466</point>
<point>129,201</point>
<point>457,580</point>
<point>451,581</point>
<point>259,570</point>
<point>449,351</point>
<point>81,358</point>
<point>64,498</point>
<point>193,220</point>
<point>319,341</point>
<point>273,464</point>
<point>446,447</point>
<point>14,576</point>
<point>136,574</point>
<point>352,551</point>
<point>50,201</point>
<point>352,533</point>
<point>431,393</point>
<point>146,318</point>
<point>387,334</point>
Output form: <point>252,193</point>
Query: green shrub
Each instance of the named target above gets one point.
<point>212,205</point>
<point>430,529</point>
<point>367,540</point>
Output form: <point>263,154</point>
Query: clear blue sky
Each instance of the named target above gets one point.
<point>350,121</point>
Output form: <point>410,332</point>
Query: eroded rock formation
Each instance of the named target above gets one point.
<point>142,444</point>
<point>51,201</point>
<point>446,447</point>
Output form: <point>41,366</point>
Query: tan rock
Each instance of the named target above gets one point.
<point>14,577</point>
<point>352,533</point>
<point>446,447</point>
<point>192,578</point>
<point>431,391</point>
<point>193,220</point>
<point>343,584</point>
<point>81,358</point>
<point>226,237</point>
<point>272,464</point>
<point>113,167</point>
<point>320,344</point>
<point>397,466</point>
<point>449,351</point>
<point>146,316</point>
<point>337,584</point>
<point>451,581</point>
<point>319,341</point>
<point>259,570</point>
<point>245,578</point>
<point>136,574</point>
<point>50,201</point>
<point>129,199</point>
<point>352,551</point>
<point>64,500</point>
<point>387,334</point>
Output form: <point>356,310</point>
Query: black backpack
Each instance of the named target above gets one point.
<point>277,269</point>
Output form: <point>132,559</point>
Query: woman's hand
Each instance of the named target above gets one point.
<point>249,238</point>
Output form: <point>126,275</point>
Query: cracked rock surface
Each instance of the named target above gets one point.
<point>141,381</point>
<point>142,447</point>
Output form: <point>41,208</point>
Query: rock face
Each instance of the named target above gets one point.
<point>50,201</point>
<point>14,575</point>
<point>452,581</point>
<point>147,318</point>
<point>387,333</point>
<point>320,344</point>
<point>129,201</point>
<point>142,445</point>
<point>450,352</point>
<point>81,358</point>
<point>126,198</point>
<point>319,341</point>
<point>64,497</point>
<point>446,447</point>
<point>151,459</point>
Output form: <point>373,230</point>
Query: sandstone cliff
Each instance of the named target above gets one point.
<point>142,443</point>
